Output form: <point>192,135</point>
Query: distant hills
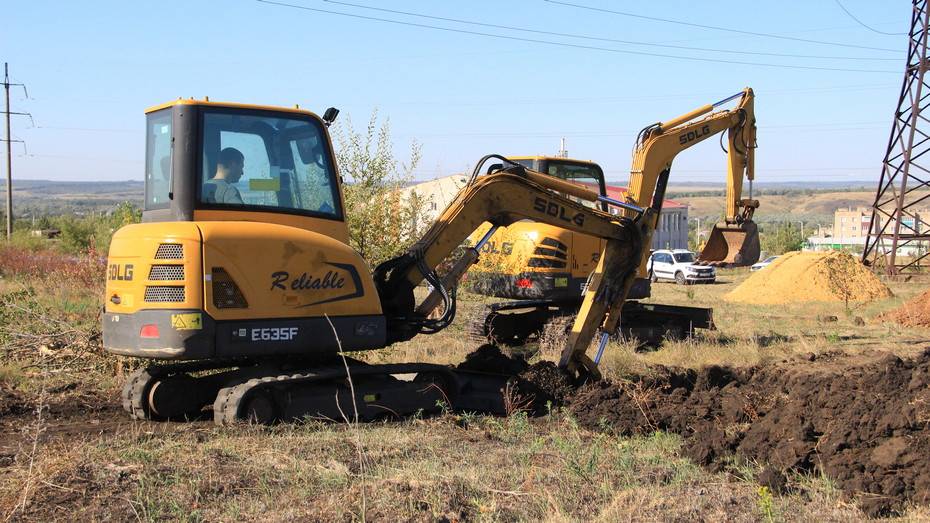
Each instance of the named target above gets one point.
<point>47,197</point>
<point>807,200</point>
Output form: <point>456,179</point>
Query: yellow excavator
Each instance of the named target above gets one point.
<point>241,274</point>
<point>544,268</point>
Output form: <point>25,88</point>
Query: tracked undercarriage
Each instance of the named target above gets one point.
<point>269,392</point>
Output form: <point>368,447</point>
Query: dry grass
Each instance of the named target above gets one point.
<point>511,469</point>
<point>457,468</point>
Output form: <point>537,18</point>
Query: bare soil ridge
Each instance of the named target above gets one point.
<point>864,426</point>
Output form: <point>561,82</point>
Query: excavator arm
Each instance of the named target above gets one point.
<point>735,241</point>
<point>501,198</point>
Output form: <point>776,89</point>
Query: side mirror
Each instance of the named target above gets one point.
<point>330,116</point>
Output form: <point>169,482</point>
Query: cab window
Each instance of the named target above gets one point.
<point>270,163</point>
<point>157,159</point>
<point>586,176</point>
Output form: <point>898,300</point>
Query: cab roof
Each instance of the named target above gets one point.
<point>206,102</point>
<point>551,158</point>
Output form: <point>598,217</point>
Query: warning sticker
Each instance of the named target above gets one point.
<point>265,184</point>
<point>561,282</point>
<point>187,321</point>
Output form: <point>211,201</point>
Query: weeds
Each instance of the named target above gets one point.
<point>766,503</point>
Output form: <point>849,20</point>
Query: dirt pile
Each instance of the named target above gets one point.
<point>913,313</point>
<point>864,426</point>
<point>810,276</point>
<point>535,388</point>
<point>490,358</point>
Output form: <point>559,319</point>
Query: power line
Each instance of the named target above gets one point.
<point>717,28</point>
<point>575,46</point>
<point>602,39</point>
<point>860,22</point>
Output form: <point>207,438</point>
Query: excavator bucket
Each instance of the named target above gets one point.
<point>732,245</point>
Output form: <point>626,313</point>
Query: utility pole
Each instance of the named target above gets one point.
<point>9,153</point>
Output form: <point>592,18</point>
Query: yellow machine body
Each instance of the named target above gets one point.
<point>533,260</point>
<point>229,281</point>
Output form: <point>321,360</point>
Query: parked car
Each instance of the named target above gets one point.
<point>678,265</point>
<point>763,264</point>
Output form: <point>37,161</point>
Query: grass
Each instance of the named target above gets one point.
<point>494,469</point>
<point>453,467</point>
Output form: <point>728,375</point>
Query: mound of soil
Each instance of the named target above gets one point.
<point>535,388</point>
<point>913,313</point>
<point>489,358</point>
<point>810,276</point>
<point>863,426</point>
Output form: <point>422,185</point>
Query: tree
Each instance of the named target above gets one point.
<point>382,222</point>
<point>779,238</point>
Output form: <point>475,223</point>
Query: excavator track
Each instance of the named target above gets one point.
<point>366,393</point>
<point>136,393</point>
<point>328,394</point>
<point>513,323</point>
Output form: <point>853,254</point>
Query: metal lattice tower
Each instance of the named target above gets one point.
<point>899,236</point>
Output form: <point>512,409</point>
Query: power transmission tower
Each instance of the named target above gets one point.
<point>897,240</point>
<point>9,153</point>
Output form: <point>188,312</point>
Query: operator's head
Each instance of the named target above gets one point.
<point>229,165</point>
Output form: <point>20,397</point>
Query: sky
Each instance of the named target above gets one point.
<point>536,71</point>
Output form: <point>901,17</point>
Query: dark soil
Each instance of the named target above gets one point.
<point>489,358</point>
<point>865,426</point>
<point>537,388</point>
<point>66,413</point>
<point>12,402</point>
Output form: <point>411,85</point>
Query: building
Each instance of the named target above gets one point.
<point>851,229</point>
<point>671,233</point>
<point>436,194</point>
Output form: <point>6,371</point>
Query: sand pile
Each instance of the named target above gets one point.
<point>810,276</point>
<point>913,313</point>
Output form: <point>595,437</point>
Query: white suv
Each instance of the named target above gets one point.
<point>678,265</point>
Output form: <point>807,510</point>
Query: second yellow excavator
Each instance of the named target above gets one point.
<point>545,267</point>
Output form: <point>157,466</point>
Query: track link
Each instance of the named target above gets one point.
<point>135,393</point>
<point>228,401</point>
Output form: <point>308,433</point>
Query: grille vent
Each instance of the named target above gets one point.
<point>226,294</point>
<point>552,242</point>
<point>546,263</point>
<point>164,293</point>
<point>542,251</point>
<point>166,273</point>
<point>170,251</point>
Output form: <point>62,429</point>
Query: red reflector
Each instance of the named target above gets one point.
<point>149,331</point>
<point>524,283</point>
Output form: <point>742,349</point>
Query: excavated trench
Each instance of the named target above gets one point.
<point>862,422</point>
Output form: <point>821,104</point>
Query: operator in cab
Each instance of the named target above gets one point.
<point>221,188</point>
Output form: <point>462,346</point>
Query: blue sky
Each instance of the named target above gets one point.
<point>93,67</point>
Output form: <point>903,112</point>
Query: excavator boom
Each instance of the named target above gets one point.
<point>735,240</point>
